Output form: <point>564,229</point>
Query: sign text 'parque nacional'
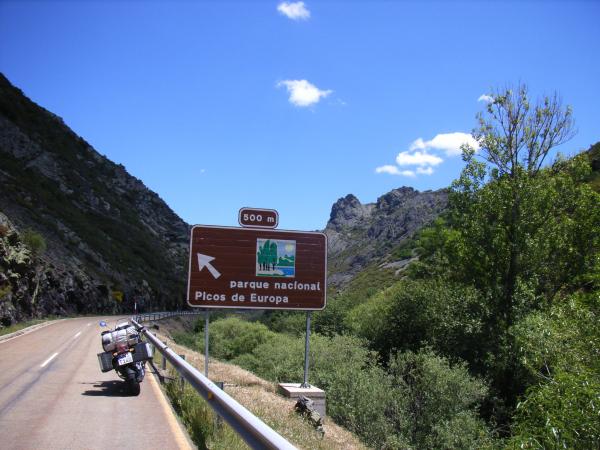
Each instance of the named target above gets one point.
<point>257,268</point>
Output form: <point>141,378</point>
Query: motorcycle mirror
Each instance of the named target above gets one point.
<point>102,323</point>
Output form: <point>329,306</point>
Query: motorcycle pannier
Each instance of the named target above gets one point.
<point>105,360</point>
<point>143,352</point>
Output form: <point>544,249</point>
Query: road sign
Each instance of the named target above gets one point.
<point>257,269</point>
<point>258,218</point>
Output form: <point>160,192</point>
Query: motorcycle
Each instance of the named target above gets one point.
<point>125,353</point>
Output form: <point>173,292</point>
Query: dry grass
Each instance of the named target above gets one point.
<point>260,397</point>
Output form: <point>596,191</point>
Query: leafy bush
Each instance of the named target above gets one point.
<point>561,413</point>
<point>417,405</point>
<point>367,283</point>
<point>232,337</point>
<point>435,404</point>
<point>34,241</point>
<point>449,317</point>
<point>341,365</point>
<point>188,339</point>
<point>560,348</point>
<point>289,322</point>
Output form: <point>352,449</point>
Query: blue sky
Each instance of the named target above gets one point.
<point>217,105</point>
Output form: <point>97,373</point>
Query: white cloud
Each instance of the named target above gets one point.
<point>417,159</point>
<point>485,98</point>
<point>294,11</point>
<point>448,142</point>
<point>422,154</point>
<point>393,170</point>
<point>423,161</point>
<point>303,93</point>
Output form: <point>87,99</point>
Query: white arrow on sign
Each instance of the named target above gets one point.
<point>204,261</point>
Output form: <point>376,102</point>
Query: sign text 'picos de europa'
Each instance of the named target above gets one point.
<point>257,268</point>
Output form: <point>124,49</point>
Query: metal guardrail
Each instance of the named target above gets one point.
<point>148,317</point>
<point>251,429</point>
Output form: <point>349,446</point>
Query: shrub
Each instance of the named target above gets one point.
<point>34,241</point>
<point>187,339</point>
<point>561,413</point>
<point>199,418</point>
<point>559,348</point>
<point>417,404</point>
<point>232,337</point>
<point>449,317</point>
<point>356,387</point>
<point>289,322</point>
<point>367,283</point>
<point>435,403</point>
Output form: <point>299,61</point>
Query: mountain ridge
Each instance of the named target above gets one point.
<point>112,243</point>
<point>102,225</point>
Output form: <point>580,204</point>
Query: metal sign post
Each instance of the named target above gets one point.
<point>306,350</point>
<point>206,317</point>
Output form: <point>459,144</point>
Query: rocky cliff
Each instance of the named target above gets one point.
<point>105,231</point>
<point>360,235</point>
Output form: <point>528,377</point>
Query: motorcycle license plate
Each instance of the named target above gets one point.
<point>125,358</point>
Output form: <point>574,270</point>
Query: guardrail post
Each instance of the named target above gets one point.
<point>181,379</point>
<point>218,418</point>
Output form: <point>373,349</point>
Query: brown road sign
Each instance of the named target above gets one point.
<point>257,269</point>
<point>258,218</point>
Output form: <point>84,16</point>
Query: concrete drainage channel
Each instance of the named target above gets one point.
<point>250,428</point>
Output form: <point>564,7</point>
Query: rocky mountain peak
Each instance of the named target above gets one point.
<point>396,198</point>
<point>359,234</point>
<point>346,212</point>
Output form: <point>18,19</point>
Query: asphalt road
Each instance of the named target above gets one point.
<point>53,396</point>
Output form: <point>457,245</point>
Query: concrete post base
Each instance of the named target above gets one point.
<point>293,391</point>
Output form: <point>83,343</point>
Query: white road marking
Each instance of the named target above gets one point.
<point>45,363</point>
<point>77,335</point>
<point>89,324</point>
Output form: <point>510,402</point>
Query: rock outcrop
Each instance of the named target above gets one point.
<point>359,234</point>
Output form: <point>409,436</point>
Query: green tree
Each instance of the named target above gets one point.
<point>267,255</point>
<point>273,255</point>
<point>520,232</point>
<point>514,140</point>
